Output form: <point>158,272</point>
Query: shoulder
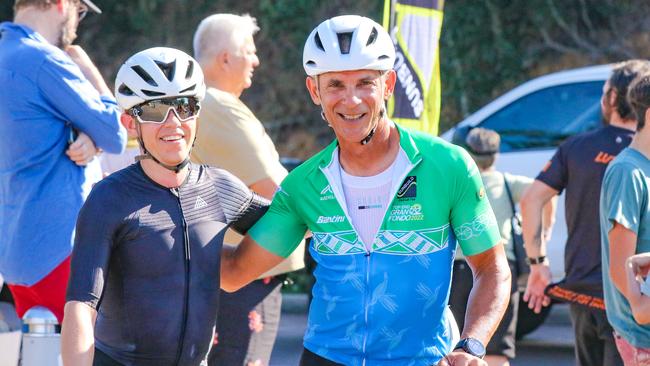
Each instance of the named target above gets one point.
<point>442,154</point>
<point>304,172</point>
<point>113,191</point>
<point>625,163</point>
<point>220,177</point>
<point>221,101</point>
<point>517,179</point>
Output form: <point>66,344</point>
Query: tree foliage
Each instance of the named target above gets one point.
<point>487,47</point>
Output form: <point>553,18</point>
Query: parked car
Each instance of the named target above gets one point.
<point>533,119</point>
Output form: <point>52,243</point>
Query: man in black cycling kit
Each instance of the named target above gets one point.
<point>144,281</point>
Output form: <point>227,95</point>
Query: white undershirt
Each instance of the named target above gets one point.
<point>367,198</point>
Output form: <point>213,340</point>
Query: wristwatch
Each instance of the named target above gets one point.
<point>472,346</point>
<point>538,260</point>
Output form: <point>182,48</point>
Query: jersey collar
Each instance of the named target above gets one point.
<point>405,141</point>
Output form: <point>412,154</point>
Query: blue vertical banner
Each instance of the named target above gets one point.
<point>415,27</point>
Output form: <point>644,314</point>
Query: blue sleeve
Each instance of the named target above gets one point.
<point>98,225</point>
<point>63,86</point>
<point>624,196</point>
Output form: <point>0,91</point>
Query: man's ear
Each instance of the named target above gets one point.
<point>312,86</point>
<point>129,123</point>
<point>611,98</point>
<point>223,59</point>
<point>390,79</point>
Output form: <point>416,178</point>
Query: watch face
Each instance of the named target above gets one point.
<point>475,347</point>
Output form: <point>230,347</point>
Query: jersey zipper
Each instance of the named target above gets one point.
<point>336,190</point>
<point>365,307</point>
<point>186,265</point>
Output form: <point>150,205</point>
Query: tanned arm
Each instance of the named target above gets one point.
<point>622,245</point>
<point>532,206</point>
<point>245,264</point>
<point>487,301</point>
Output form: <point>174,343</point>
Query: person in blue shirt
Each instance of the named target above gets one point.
<point>57,112</point>
<point>625,231</point>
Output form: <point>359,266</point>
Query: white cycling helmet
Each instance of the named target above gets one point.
<point>158,73</point>
<point>348,42</point>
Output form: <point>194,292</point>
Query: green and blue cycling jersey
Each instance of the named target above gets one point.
<point>384,306</point>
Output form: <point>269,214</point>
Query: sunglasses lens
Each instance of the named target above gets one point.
<point>186,108</point>
<point>156,111</point>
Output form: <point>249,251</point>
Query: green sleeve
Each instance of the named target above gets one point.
<point>281,229</point>
<point>472,218</point>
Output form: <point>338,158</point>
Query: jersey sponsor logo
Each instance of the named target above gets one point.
<point>330,219</point>
<point>408,212</point>
<point>476,227</point>
<point>326,194</point>
<point>408,188</point>
<point>200,203</point>
<point>604,158</point>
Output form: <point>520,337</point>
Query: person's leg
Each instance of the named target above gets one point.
<point>238,322</point>
<point>461,285</point>
<point>264,322</point>
<point>611,356</point>
<point>48,292</point>
<point>309,358</point>
<point>632,356</point>
<point>589,348</point>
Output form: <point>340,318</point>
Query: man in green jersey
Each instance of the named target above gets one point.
<point>383,204</point>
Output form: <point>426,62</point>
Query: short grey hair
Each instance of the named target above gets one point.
<point>221,32</point>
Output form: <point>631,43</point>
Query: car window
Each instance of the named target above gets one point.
<point>546,117</point>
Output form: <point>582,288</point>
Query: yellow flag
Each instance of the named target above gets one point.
<point>415,27</point>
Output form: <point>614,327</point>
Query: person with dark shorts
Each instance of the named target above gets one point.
<point>145,271</point>
<point>248,320</point>
<point>578,167</point>
<point>503,192</point>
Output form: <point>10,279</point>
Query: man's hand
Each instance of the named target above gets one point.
<point>639,264</point>
<point>538,280</point>
<point>88,68</point>
<point>82,150</point>
<point>460,358</point>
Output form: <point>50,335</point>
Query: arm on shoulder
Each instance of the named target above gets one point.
<point>77,334</point>
<point>244,264</point>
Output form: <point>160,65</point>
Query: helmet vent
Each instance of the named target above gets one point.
<point>167,69</point>
<point>151,93</point>
<point>144,75</point>
<point>383,57</point>
<point>318,42</point>
<point>187,89</point>
<point>373,37</point>
<point>123,89</point>
<point>345,40</point>
<point>311,63</point>
<point>190,70</point>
